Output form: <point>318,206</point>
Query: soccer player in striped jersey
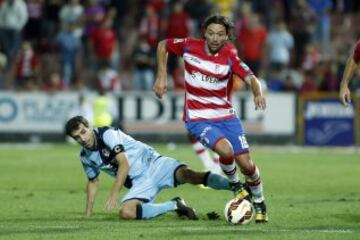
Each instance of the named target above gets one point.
<point>351,65</point>
<point>210,64</point>
<point>136,166</point>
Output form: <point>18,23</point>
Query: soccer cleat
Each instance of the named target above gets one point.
<point>260,212</point>
<point>239,191</point>
<point>183,210</point>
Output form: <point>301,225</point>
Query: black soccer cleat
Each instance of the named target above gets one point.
<point>239,191</point>
<point>183,210</point>
<point>260,212</point>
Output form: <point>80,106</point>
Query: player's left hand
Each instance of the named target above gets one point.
<point>111,203</point>
<point>260,102</point>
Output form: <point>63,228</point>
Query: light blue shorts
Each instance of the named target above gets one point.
<point>159,175</point>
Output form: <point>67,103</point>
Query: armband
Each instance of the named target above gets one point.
<point>118,149</point>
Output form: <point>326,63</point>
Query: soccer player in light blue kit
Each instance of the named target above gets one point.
<point>136,166</point>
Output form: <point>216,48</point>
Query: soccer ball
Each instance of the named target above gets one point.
<point>239,211</point>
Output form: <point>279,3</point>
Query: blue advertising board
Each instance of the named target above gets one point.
<point>327,123</point>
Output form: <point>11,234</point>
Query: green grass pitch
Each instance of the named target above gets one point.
<point>311,194</point>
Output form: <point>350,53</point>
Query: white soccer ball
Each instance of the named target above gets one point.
<point>239,211</point>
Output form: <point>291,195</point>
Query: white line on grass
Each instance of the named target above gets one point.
<point>245,229</point>
<point>57,227</point>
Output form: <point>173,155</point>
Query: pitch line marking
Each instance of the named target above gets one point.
<point>244,229</point>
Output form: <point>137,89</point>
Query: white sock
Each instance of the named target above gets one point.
<point>203,154</point>
<point>255,185</point>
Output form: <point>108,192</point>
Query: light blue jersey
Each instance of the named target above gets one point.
<point>148,173</point>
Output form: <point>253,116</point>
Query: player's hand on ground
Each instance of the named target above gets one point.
<point>260,103</point>
<point>160,86</point>
<point>111,203</point>
<point>344,95</point>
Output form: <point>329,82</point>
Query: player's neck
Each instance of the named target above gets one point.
<point>209,52</point>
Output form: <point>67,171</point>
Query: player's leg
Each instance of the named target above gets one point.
<point>138,209</point>
<point>251,172</point>
<point>211,135</point>
<point>138,202</point>
<point>209,162</point>
<point>253,181</point>
<point>209,179</point>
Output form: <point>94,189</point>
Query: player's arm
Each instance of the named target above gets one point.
<point>344,93</point>
<point>255,86</point>
<point>91,188</point>
<point>160,85</point>
<point>121,175</point>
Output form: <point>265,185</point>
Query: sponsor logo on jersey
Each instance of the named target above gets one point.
<point>178,40</point>
<point>204,78</point>
<point>244,66</point>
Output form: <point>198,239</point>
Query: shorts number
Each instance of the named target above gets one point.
<point>243,142</point>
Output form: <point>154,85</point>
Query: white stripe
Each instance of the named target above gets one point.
<point>209,113</point>
<point>214,100</point>
<point>240,229</point>
<point>209,66</point>
<point>199,80</point>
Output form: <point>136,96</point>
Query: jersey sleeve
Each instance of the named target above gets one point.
<point>356,53</point>
<point>237,66</point>
<point>114,140</point>
<point>176,45</point>
<point>91,172</point>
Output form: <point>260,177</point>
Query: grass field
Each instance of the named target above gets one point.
<point>310,195</point>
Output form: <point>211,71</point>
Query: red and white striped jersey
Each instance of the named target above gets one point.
<point>208,79</point>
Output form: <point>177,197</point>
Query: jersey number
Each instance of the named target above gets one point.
<point>243,142</point>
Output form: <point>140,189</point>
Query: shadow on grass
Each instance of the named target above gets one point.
<point>348,217</point>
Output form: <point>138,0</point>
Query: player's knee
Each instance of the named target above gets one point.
<point>127,212</point>
<point>246,164</point>
<point>224,148</point>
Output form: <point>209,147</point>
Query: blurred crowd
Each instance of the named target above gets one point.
<point>110,45</point>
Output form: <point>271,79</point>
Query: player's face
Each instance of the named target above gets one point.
<point>215,36</point>
<point>84,136</point>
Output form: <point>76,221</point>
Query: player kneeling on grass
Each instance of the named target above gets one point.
<point>136,166</point>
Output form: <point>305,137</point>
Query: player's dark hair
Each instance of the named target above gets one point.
<point>74,123</point>
<point>222,20</point>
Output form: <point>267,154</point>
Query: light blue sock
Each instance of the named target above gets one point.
<point>217,181</point>
<point>150,210</point>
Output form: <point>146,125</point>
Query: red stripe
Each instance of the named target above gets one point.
<point>254,183</point>
<point>192,104</point>
<point>203,92</point>
<point>191,68</point>
<point>200,151</point>
<point>230,173</point>
<point>227,160</point>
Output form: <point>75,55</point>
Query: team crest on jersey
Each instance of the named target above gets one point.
<point>217,69</point>
<point>244,66</point>
<point>178,40</point>
<point>105,152</point>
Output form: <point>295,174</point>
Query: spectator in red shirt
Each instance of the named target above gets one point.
<point>179,22</point>
<point>27,68</point>
<point>150,26</point>
<point>54,83</point>
<point>103,43</point>
<point>251,42</point>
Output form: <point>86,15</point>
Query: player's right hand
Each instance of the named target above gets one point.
<point>160,86</point>
<point>344,95</point>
